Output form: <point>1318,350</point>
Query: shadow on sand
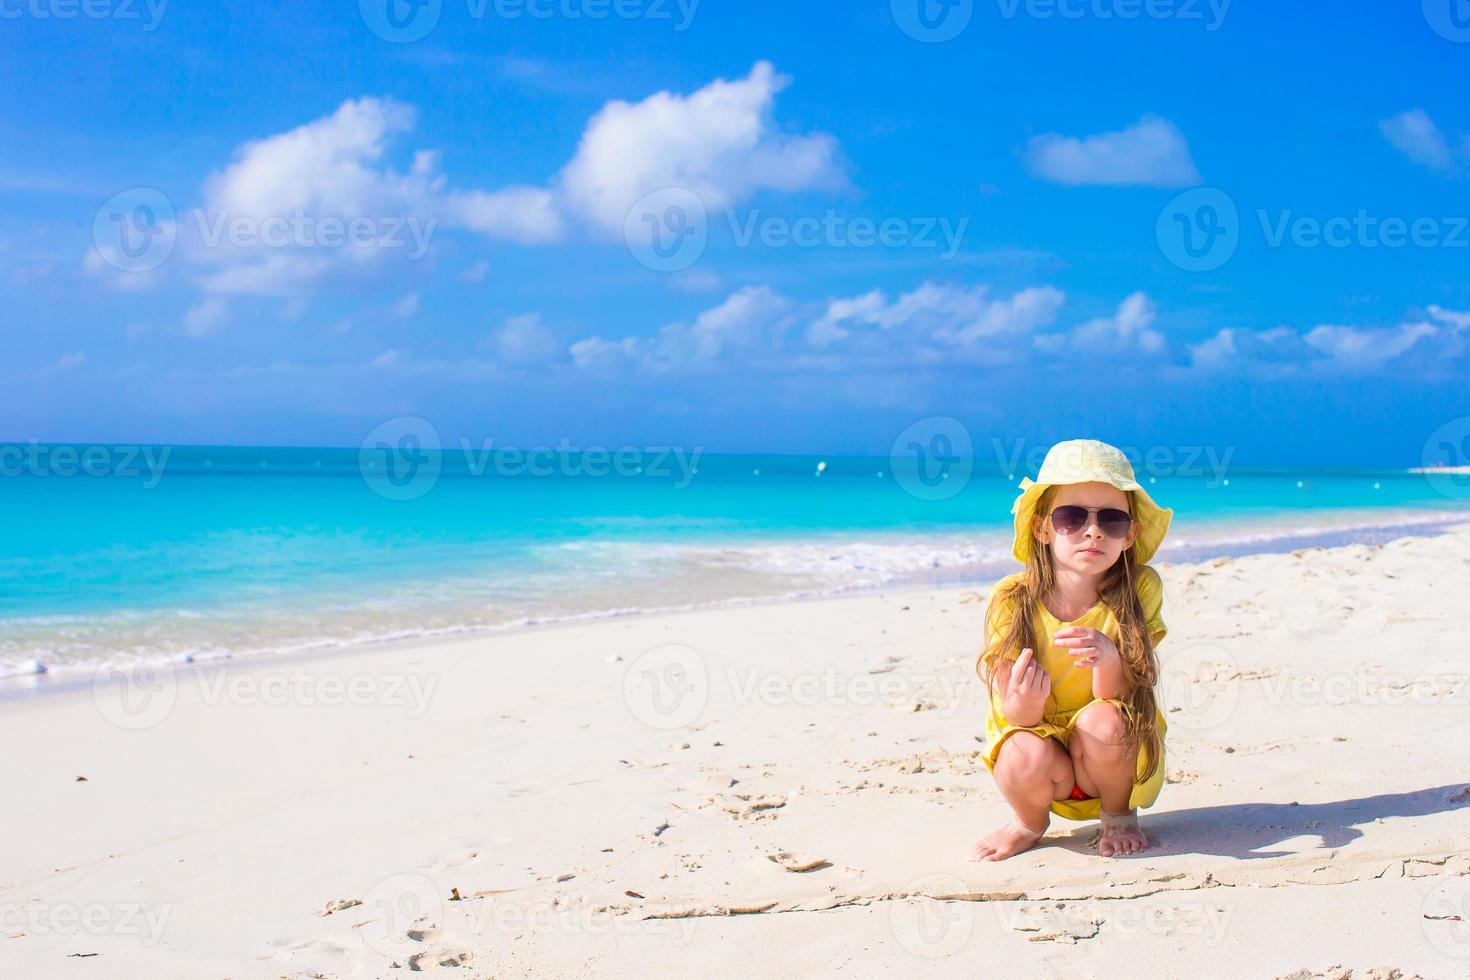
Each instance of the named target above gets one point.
<point>1241,830</point>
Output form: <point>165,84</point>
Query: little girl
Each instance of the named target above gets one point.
<point>1074,727</point>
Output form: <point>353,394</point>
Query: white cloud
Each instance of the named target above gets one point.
<point>385,359</point>
<point>405,307</point>
<point>1129,330</point>
<point>527,215</point>
<point>595,352</point>
<point>277,274</point>
<point>1353,348</point>
<point>719,142</point>
<point>475,274</point>
<point>1151,152</point>
<point>1278,351</point>
<point>935,320</point>
<point>1324,350</point>
<point>1456,338</point>
<point>944,326</point>
<point>316,203</point>
<point>64,363</point>
<point>750,325</point>
<point>206,316</point>
<point>1415,135</point>
<point>933,324</point>
<point>1456,320</point>
<point>326,168</point>
<point>523,340</point>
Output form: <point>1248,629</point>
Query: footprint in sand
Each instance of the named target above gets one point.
<point>748,806</point>
<point>798,863</point>
<point>429,958</point>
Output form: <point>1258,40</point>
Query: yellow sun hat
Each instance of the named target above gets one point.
<point>1089,461</point>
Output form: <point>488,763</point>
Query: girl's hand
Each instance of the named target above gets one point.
<point>1026,689</point>
<point>1088,647</point>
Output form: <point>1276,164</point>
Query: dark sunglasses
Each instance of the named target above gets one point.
<point>1069,519</point>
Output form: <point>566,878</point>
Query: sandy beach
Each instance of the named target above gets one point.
<point>762,791</point>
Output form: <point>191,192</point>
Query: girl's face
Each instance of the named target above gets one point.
<point>1088,549</point>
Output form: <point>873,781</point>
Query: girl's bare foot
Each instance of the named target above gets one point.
<point>1121,834</point>
<point>1013,838</point>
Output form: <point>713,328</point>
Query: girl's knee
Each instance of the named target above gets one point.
<point>1027,756</point>
<point>1103,722</point>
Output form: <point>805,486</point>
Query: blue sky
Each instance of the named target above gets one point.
<point>1028,173</point>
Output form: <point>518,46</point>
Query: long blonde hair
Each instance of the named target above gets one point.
<point>1135,648</point>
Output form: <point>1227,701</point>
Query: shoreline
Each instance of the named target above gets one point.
<point>810,758</point>
<point>61,677</point>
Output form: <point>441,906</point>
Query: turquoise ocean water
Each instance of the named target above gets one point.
<point>194,553</point>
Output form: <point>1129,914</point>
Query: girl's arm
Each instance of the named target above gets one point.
<point>1096,651</point>
<point>1023,687</point>
<point>1107,676</point>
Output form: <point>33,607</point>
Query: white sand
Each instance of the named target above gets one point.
<point>614,815</point>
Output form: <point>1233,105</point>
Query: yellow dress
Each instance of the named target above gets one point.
<point>1071,686</point>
